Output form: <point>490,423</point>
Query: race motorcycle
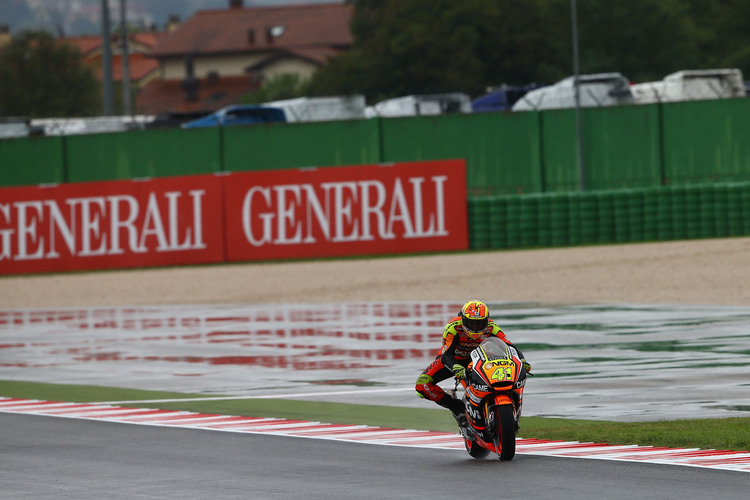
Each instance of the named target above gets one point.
<point>493,396</point>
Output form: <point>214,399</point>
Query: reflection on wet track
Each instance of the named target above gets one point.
<point>618,362</point>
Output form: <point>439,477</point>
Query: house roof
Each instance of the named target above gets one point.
<point>319,29</point>
<point>148,38</point>
<point>162,96</point>
<point>140,67</point>
<point>86,44</point>
<point>90,45</point>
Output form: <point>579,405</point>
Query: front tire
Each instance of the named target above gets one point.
<point>506,438</point>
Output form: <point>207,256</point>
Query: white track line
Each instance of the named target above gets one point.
<point>691,457</point>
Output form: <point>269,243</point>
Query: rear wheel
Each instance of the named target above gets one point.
<point>475,450</point>
<point>505,440</point>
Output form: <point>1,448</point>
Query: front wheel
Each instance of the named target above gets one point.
<point>506,437</point>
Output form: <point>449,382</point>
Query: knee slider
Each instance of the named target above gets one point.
<point>423,380</point>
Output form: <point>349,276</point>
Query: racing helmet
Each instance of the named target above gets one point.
<point>475,316</point>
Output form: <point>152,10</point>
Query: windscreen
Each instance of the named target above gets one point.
<point>494,348</point>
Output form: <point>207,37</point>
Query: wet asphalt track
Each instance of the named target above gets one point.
<point>605,362</point>
<point>52,458</point>
<point>593,362</point>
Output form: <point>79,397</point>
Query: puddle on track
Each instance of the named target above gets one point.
<point>608,362</point>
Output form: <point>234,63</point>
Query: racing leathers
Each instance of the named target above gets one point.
<point>456,350</point>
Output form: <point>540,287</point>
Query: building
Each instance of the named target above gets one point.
<point>216,56</point>
<point>142,68</point>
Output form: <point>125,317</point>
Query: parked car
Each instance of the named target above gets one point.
<point>500,98</point>
<point>174,119</point>
<point>239,115</point>
<point>599,89</point>
<point>691,85</point>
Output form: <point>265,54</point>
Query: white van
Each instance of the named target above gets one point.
<point>599,89</point>
<point>691,85</point>
<point>422,105</point>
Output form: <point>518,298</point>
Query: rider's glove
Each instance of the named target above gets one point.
<point>526,365</point>
<point>459,371</point>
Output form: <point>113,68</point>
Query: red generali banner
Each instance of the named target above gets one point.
<point>317,212</point>
<point>118,224</point>
<point>362,210</point>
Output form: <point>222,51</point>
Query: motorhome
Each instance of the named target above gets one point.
<point>691,85</point>
<point>595,90</point>
<point>421,105</point>
<point>318,109</point>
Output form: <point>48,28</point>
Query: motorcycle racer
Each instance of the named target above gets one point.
<point>461,335</point>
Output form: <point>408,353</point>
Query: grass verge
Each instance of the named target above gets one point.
<point>721,434</point>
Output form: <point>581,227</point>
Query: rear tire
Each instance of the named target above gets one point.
<point>475,450</point>
<point>507,435</point>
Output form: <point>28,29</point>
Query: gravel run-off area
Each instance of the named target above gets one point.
<point>709,272</point>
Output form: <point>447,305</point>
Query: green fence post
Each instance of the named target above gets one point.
<point>528,220</point>
<point>664,215</point>
<point>650,221</point>
<point>734,209</point>
<point>622,216</point>
<point>606,216</point>
<point>589,218</point>
<point>479,228</point>
<point>693,211</point>
<point>544,219</point>
<point>560,219</point>
<point>513,227</point>
<point>745,203</point>
<point>498,217</point>
<point>679,212</point>
<point>574,218</point>
<point>721,210</point>
<point>707,202</point>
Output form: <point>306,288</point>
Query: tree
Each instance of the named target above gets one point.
<point>420,46</point>
<point>41,77</point>
<point>724,40</point>
<point>644,39</point>
<point>424,46</point>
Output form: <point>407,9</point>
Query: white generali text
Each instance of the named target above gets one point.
<point>101,225</point>
<point>342,212</point>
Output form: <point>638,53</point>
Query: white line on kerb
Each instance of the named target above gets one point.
<point>268,396</point>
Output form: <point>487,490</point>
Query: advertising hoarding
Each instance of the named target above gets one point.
<point>115,224</point>
<point>240,216</point>
<point>363,210</point>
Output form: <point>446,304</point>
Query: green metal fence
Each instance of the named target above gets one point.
<point>38,160</point>
<point>651,172</point>
<point>283,146</point>
<point>706,141</point>
<point>143,153</point>
<point>506,153</point>
<point>502,150</point>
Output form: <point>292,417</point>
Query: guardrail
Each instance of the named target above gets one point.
<point>610,216</point>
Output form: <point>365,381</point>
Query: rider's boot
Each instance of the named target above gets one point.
<point>456,406</point>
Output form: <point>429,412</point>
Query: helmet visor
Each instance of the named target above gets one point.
<point>475,325</point>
